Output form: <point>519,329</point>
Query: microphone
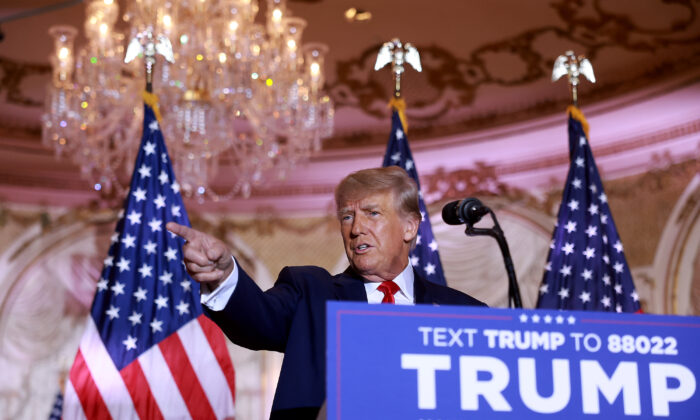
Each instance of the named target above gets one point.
<point>469,211</point>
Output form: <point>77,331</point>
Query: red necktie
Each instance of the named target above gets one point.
<point>388,288</point>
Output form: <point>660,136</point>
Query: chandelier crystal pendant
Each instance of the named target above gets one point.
<point>240,95</point>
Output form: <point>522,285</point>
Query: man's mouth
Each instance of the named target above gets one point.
<point>362,248</point>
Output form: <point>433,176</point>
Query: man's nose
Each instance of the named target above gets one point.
<point>358,225</point>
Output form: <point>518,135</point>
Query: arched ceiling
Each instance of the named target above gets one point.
<point>487,69</point>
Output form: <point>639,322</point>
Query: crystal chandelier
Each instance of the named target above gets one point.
<point>240,94</point>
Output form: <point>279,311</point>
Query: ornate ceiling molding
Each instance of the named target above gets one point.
<point>441,100</point>
<point>451,83</point>
<point>13,74</point>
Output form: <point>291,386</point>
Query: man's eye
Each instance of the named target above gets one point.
<point>374,213</point>
<point>346,217</point>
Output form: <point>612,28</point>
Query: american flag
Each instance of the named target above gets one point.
<point>148,351</point>
<point>57,407</point>
<point>424,257</point>
<point>586,268</point>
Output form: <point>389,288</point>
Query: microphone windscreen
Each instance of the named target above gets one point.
<point>450,213</point>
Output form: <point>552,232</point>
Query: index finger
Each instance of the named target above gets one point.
<point>182,231</point>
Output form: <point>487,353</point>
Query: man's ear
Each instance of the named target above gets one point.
<point>411,224</point>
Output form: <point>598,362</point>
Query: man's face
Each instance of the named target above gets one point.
<point>377,238</point>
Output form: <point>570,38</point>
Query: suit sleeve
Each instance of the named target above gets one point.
<point>259,320</point>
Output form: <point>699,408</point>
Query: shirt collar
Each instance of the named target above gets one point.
<point>404,280</point>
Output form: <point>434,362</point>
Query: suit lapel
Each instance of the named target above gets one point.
<point>422,290</point>
<point>350,287</point>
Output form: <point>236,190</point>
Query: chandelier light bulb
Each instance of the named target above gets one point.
<point>315,69</point>
<point>63,54</point>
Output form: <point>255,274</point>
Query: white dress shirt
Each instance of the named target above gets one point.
<point>404,296</point>
<point>216,299</point>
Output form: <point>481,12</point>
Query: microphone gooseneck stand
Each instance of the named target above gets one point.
<point>496,232</point>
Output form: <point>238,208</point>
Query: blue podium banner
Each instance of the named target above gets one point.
<point>429,362</point>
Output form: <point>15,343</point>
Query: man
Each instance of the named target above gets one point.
<point>379,217</point>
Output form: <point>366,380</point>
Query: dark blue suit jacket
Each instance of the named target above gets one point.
<point>291,318</point>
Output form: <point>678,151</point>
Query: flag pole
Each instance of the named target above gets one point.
<point>148,44</point>
<point>573,66</point>
<point>398,53</point>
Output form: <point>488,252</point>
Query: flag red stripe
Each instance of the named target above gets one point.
<point>217,342</point>
<point>137,385</point>
<point>93,405</point>
<point>186,378</point>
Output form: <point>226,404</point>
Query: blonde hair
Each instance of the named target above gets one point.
<point>392,179</point>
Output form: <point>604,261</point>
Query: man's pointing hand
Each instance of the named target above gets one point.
<point>207,259</point>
